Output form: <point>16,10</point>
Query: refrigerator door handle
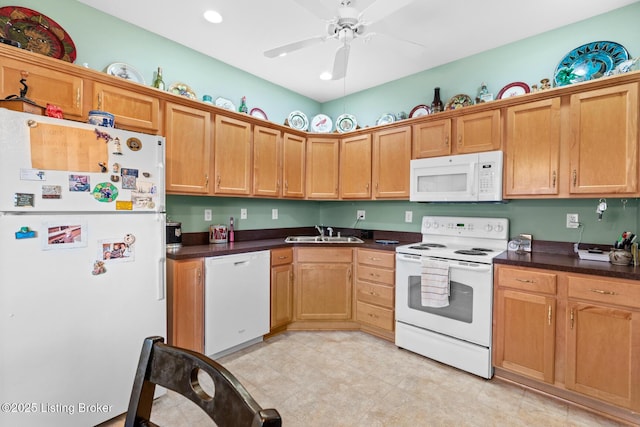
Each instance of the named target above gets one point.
<point>161,282</point>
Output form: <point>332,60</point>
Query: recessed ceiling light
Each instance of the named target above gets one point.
<point>325,76</point>
<point>213,16</point>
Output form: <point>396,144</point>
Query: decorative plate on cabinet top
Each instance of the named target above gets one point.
<point>125,71</point>
<point>589,61</point>
<point>321,123</point>
<point>385,119</point>
<point>256,112</point>
<point>36,32</point>
<point>182,90</point>
<point>513,89</point>
<point>346,123</point>
<point>420,110</point>
<point>458,101</point>
<point>298,120</point>
<point>225,103</point>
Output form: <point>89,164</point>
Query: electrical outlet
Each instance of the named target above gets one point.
<point>408,216</point>
<point>360,215</point>
<point>243,214</point>
<point>274,213</point>
<point>207,214</point>
<point>572,221</point>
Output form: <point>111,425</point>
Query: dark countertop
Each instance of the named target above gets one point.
<point>568,262</point>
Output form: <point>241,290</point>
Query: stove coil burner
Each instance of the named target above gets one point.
<point>482,249</point>
<point>427,246</point>
<point>470,252</point>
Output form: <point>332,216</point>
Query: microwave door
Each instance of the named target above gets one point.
<point>446,182</point>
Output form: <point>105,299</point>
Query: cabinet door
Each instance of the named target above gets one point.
<point>267,153</point>
<point>478,132</point>
<point>232,156</point>
<point>524,333</point>
<point>532,148</point>
<point>391,163</point>
<point>323,291</point>
<point>132,110</point>
<point>293,166</point>
<point>281,295</point>
<point>322,168</point>
<point>431,139</point>
<point>355,167</point>
<point>46,86</point>
<point>188,133</point>
<point>187,308</point>
<point>603,353</point>
<point>604,128</point>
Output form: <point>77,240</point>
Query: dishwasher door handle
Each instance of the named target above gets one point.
<point>239,263</point>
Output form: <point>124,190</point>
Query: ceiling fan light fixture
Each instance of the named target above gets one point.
<point>326,75</point>
<point>212,16</point>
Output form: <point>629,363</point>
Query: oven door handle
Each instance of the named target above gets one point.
<point>480,268</point>
<point>461,265</point>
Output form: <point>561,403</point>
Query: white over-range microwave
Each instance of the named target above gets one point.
<point>473,177</point>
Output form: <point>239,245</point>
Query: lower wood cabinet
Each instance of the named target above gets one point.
<point>281,288</point>
<point>375,292</point>
<point>185,303</point>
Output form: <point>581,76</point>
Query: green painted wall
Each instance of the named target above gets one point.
<point>101,40</point>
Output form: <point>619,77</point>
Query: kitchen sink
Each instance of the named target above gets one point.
<point>323,239</point>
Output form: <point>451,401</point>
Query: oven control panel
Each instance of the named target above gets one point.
<point>492,228</point>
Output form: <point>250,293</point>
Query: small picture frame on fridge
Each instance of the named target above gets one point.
<point>64,234</point>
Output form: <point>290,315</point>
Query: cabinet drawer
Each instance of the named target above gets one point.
<point>377,258</point>
<point>527,280</point>
<point>324,255</point>
<point>376,274</point>
<point>281,256</point>
<point>375,316</point>
<point>609,291</point>
<point>375,294</point>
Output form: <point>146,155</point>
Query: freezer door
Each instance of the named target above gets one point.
<point>72,329</point>
<point>53,165</point>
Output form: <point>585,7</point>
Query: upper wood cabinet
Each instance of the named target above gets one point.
<point>132,110</point>
<point>431,139</point>
<point>532,148</point>
<point>391,162</point>
<point>293,166</point>
<point>355,167</point>
<point>46,86</point>
<point>188,153</point>
<point>322,164</point>
<point>267,158</point>
<point>604,141</point>
<point>478,132</point>
<point>232,156</point>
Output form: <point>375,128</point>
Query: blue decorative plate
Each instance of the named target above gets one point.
<point>589,61</point>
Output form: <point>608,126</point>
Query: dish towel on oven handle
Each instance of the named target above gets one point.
<point>434,284</point>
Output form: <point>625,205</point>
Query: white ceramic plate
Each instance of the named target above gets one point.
<point>321,123</point>
<point>125,71</point>
<point>298,120</point>
<point>420,110</point>
<point>385,119</point>
<point>225,103</point>
<point>346,123</point>
<point>256,112</point>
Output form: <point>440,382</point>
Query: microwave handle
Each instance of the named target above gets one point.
<point>474,178</point>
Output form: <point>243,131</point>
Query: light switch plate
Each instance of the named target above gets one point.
<point>408,216</point>
<point>243,214</point>
<point>207,214</point>
<point>274,213</point>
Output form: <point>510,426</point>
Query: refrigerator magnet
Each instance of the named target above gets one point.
<point>124,205</point>
<point>79,183</point>
<point>103,135</point>
<point>134,144</point>
<point>51,191</point>
<point>25,233</point>
<point>98,268</point>
<point>105,192</point>
<point>117,147</point>
<point>23,200</point>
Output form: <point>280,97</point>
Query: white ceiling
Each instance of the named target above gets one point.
<point>447,29</point>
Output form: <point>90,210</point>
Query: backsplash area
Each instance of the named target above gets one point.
<point>544,219</point>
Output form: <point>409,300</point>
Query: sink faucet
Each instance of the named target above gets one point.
<point>330,230</point>
<point>320,229</point>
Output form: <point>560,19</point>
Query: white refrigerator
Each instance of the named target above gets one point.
<point>82,264</point>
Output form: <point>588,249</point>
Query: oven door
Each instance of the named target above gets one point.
<point>468,315</point>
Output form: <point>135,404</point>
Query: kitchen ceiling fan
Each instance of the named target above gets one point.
<point>348,25</point>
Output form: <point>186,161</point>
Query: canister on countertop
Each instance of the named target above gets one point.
<point>218,233</point>
<point>174,234</point>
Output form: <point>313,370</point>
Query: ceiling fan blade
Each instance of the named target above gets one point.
<point>340,62</point>
<point>316,8</point>
<point>382,8</point>
<point>283,50</point>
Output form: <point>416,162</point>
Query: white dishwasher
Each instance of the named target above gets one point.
<point>236,310</point>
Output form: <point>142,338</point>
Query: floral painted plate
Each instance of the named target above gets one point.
<point>36,32</point>
<point>589,61</point>
<point>346,123</point>
<point>385,119</point>
<point>458,101</point>
<point>298,120</point>
<point>182,90</point>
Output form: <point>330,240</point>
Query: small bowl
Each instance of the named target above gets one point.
<point>620,257</point>
<point>101,118</point>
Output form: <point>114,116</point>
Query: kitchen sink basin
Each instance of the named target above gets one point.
<point>323,239</point>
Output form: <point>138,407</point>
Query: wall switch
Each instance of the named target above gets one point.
<point>360,215</point>
<point>572,221</point>
<point>207,214</point>
<point>243,214</point>
<point>274,213</point>
<point>408,216</point>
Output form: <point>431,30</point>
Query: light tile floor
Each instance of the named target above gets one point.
<point>353,379</point>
